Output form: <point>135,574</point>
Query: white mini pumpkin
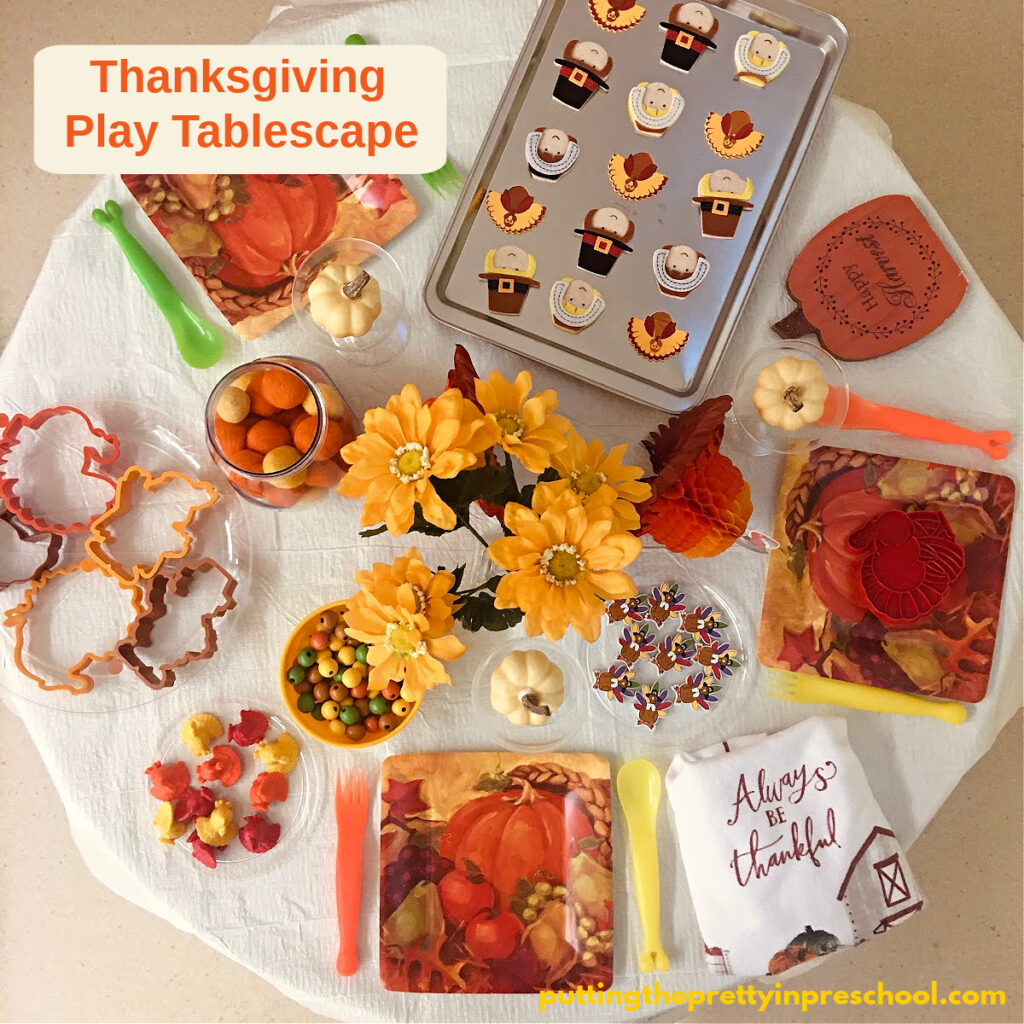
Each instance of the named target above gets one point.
<point>527,680</point>
<point>791,393</point>
<point>333,310</point>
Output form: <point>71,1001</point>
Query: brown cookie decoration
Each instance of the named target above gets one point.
<point>616,15</point>
<point>636,176</point>
<point>656,337</point>
<point>732,135</point>
<point>606,235</point>
<point>582,70</point>
<point>514,210</point>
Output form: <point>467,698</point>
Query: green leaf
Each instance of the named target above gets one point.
<point>477,612</point>
<point>548,476</point>
<point>797,560</point>
<point>373,531</point>
<point>589,842</point>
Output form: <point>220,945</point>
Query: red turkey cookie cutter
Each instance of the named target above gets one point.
<point>140,633</point>
<point>91,458</point>
<point>54,542</point>
<point>103,538</point>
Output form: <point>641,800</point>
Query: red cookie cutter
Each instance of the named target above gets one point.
<point>53,541</point>
<point>90,458</point>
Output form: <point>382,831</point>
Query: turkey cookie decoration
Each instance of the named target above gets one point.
<point>873,281</point>
<point>653,108</point>
<point>606,234</point>
<point>656,337</point>
<point>679,269</point>
<point>509,272</point>
<point>575,304</point>
<point>760,58</point>
<point>582,70</point>
<point>689,31</point>
<point>732,135</point>
<point>514,210</point>
<point>616,15</point>
<point>635,177</point>
<point>723,197</point>
<point>550,152</point>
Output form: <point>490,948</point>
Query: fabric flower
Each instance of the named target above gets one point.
<point>528,428</point>
<point>563,562</point>
<point>404,447</point>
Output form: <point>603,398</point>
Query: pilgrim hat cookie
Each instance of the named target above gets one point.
<point>636,176</point>
<point>656,337</point>
<point>679,269</point>
<point>582,69</point>
<point>550,152</point>
<point>575,305</point>
<point>722,196</point>
<point>514,210</point>
<point>653,108</point>
<point>606,235</point>
<point>732,135</point>
<point>760,58</point>
<point>509,272</point>
<point>689,31</point>
<point>616,15</point>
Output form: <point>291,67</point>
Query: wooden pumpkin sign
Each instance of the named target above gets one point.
<point>873,281</point>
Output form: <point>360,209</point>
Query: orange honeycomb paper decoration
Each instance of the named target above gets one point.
<point>700,503</point>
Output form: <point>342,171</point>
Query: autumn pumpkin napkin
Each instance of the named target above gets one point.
<point>787,853</point>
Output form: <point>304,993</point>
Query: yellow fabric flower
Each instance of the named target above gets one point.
<point>434,599</point>
<point>563,562</point>
<point>401,646</point>
<point>528,428</point>
<point>403,447</point>
<point>600,478</point>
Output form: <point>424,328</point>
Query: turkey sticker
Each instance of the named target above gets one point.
<point>656,337</point>
<point>616,15</point>
<point>679,269</point>
<point>514,210</point>
<point>635,177</point>
<point>582,71</point>
<point>760,58</point>
<point>732,135</point>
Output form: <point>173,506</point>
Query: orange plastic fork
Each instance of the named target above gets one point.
<point>350,801</point>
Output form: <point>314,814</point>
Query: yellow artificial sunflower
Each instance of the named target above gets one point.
<point>433,590</point>
<point>563,562</point>
<point>403,447</point>
<point>400,645</point>
<point>528,427</point>
<point>600,478</point>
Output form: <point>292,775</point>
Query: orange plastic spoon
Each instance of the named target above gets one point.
<point>865,415</point>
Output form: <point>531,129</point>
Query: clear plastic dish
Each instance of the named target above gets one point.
<point>387,337</point>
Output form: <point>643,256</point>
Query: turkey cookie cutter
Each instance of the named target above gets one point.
<point>140,633</point>
<point>103,538</point>
<point>54,542</point>
<point>90,459</point>
<point>15,618</point>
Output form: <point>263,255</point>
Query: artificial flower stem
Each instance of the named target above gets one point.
<point>465,522</point>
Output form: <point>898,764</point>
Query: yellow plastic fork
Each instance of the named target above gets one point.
<point>806,689</point>
<point>350,800</point>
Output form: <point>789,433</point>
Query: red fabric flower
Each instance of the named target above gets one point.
<point>224,765</point>
<point>167,781</point>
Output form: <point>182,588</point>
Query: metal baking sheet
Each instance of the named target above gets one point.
<point>786,111</point>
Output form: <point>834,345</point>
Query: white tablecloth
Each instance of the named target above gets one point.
<point>88,331</point>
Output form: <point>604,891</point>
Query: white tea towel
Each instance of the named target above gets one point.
<point>787,854</point>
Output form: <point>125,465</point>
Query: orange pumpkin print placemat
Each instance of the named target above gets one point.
<point>890,572</point>
<point>243,236</point>
<point>495,872</point>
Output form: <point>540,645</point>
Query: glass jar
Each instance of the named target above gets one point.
<point>279,445</point>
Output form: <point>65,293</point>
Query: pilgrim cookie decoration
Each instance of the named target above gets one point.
<point>514,210</point>
<point>656,337</point>
<point>509,272</point>
<point>689,31</point>
<point>653,108</point>
<point>732,135</point>
<point>550,152</point>
<point>635,177</point>
<point>575,305</point>
<point>760,58</point>
<point>874,280</point>
<point>616,15</point>
<point>679,269</point>
<point>606,233</point>
<point>582,69</point>
<point>722,196</point>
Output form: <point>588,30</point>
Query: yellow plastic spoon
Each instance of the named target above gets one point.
<point>638,784</point>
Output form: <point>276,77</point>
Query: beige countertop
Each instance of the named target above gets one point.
<point>945,75</point>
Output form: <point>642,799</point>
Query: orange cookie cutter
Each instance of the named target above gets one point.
<point>140,633</point>
<point>53,541</point>
<point>90,459</point>
<point>17,618</point>
<point>103,537</point>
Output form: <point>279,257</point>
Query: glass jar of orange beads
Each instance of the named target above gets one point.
<point>276,427</point>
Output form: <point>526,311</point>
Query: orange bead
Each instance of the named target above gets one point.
<point>304,433</point>
<point>230,436</point>
<point>324,474</point>
<point>281,388</point>
<point>333,439</point>
<point>265,436</point>
<point>247,461</point>
<point>281,497</point>
<point>286,417</point>
<point>262,406</point>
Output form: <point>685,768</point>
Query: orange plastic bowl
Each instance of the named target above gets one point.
<point>321,730</point>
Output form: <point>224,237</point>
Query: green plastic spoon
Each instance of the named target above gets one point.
<point>199,342</point>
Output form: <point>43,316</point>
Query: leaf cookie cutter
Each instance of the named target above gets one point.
<point>17,619</point>
<point>90,458</point>
<point>140,633</point>
<point>103,538</point>
<point>53,541</point>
